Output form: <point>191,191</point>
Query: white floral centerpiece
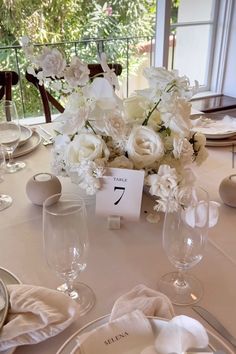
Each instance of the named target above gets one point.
<point>150,130</point>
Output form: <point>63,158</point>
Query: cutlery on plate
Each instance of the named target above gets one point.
<point>215,323</point>
<point>4,303</point>
<point>50,137</point>
<point>46,140</point>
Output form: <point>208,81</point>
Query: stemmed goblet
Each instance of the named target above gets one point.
<point>66,245</point>
<point>5,200</point>
<point>184,238</point>
<point>10,133</point>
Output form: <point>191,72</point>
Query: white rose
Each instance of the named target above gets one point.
<point>77,73</point>
<point>115,126</point>
<point>144,147</point>
<point>121,162</point>
<point>87,146</point>
<point>51,61</point>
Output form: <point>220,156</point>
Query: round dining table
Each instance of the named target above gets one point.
<point>119,259</point>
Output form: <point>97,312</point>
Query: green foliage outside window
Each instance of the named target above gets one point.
<point>70,22</point>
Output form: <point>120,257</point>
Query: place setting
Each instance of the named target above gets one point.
<point>218,132</point>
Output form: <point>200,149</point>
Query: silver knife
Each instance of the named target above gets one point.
<point>49,135</point>
<point>215,323</point>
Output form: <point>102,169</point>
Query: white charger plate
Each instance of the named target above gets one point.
<point>26,134</point>
<point>31,144</point>
<point>9,278</point>
<point>71,345</point>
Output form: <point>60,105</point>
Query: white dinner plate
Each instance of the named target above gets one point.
<point>8,278</point>
<point>31,144</point>
<point>221,143</point>
<point>215,136</point>
<point>26,134</point>
<point>71,345</point>
<point>212,129</point>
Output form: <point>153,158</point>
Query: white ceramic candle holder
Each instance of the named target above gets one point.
<point>227,190</point>
<point>41,186</point>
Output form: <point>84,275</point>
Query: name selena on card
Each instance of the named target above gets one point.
<point>116,338</point>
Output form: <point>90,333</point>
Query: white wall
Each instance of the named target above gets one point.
<point>229,87</point>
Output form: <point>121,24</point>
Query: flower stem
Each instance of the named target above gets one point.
<point>88,125</point>
<point>145,122</point>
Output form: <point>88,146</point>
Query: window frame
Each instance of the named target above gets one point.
<point>217,57</point>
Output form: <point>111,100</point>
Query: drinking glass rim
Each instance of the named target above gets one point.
<point>74,197</point>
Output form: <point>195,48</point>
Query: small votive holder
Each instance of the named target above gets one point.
<point>227,190</point>
<point>41,186</point>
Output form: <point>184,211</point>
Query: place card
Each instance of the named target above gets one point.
<point>130,333</point>
<point>121,193</point>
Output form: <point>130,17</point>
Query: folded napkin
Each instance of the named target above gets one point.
<point>211,126</point>
<point>149,301</point>
<point>132,331</point>
<point>178,336</point>
<point>35,314</point>
<point>197,215</point>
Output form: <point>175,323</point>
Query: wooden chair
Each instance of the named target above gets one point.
<point>47,98</point>
<point>7,79</point>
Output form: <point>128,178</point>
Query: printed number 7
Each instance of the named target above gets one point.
<point>121,189</point>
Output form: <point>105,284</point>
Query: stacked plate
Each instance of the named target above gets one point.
<point>220,132</point>
<point>29,141</point>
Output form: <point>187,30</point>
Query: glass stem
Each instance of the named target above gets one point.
<point>70,291</point>
<point>180,282</point>
<point>10,158</point>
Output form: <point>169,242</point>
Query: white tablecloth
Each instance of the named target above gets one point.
<point>119,259</point>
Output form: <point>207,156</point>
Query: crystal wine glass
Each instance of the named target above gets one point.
<point>5,200</point>
<point>10,133</point>
<point>66,244</point>
<point>185,231</point>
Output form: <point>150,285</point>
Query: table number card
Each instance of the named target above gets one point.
<point>121,193</point>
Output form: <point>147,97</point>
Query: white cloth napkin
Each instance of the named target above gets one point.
<point>35,314</point>
<point>197,215</point>
<point>149,301</point>
<point>211,126</point>
<point>180,334</point>
<point>132,331</point>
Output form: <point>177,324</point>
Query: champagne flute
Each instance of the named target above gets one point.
<point>5,200</point>
<point>66,245</point>
<point>185,231</point>
<point>10,133</point>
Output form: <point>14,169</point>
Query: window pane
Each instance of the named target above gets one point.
<point>191,53</point>
<point>192,10</point>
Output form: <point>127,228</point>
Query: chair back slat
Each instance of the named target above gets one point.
<point>7,79</point>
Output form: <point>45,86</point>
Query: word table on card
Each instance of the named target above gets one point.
<point>121,193</point>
